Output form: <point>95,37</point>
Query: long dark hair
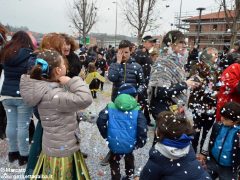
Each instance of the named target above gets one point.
<point>19,40</point>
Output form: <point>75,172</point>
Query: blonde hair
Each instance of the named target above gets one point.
<point>91,67</point>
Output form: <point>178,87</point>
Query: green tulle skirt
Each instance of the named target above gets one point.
<point>61,168</point>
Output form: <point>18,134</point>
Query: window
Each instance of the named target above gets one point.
<point>196,28</point>
<point>228,28</point>
<point>214,27</point>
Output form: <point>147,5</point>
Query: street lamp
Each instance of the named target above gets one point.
<point>115,2</point>
<point>80,25</point>
<point>199,25</point>
<point>180,14</point>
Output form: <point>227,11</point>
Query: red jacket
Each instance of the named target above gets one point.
<point>228,91</point>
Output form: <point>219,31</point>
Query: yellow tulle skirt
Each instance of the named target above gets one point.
<point>61,168</point>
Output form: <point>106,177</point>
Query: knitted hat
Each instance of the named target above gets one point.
<point>231,110</point>
<point>127,89</point>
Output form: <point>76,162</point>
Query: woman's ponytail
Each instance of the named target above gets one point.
<point>36,72</point>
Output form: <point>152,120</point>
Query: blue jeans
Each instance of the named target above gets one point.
<point>18,118</point>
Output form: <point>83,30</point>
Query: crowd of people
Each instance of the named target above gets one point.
<point>191,99</point>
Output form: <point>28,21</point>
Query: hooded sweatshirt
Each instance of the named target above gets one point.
<point>170,163</point>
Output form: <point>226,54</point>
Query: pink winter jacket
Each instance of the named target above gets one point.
<point>57,107</point>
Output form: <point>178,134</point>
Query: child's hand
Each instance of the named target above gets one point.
<point>202,159</point>
<point>136,178</point>
<point>64,79</point>
<point>192,84</point>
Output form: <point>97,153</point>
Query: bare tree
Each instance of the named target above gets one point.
<point>83,16</point>
<point>140,15</point>
<point>232,13</point>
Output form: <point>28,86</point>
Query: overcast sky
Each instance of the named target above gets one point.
<point>52,15</point>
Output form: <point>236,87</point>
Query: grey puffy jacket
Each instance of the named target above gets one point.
<point>57,107</point>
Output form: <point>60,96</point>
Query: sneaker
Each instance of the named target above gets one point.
<point>22,160</point>
<point>105,161</point>
<point>2,136</point>
<point>12,156</point>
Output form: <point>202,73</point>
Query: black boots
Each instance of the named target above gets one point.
<point>2,135</point>
<point>12,156</point>
<point>3,122</point>
<point>31,131</point>
<point>22,160</point>
<point>85,155</point>
<point>94,94</point>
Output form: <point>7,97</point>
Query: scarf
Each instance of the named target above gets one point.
<point>165,72</point>
<point>180,143</point>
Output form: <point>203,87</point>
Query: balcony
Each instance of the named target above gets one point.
<point>222,33</point>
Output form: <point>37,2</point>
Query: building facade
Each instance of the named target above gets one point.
<point>214,30</point>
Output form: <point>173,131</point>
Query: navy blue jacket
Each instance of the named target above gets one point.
<point>13,69</point>
<point>163,99</point>
<point>145,61</point>
<point>129,72</point>
<point>185,168</point>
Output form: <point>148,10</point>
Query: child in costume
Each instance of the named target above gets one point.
<point>93,79</point>
<point>58,98</point>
